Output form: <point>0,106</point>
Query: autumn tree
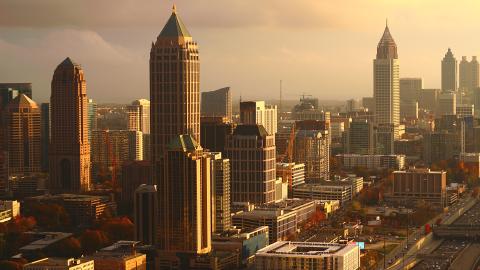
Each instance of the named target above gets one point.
<point>93,240</point>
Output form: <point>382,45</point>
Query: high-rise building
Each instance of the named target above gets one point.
<point>69,147</point>
<point>134,174</point>
<point>352,105</point>
<point>449,72</point>
<point>251,151</point>
<point>92,118</point>
<point>22,122</point>
<point>184,194</point>
<point>214,132</point>
<point>292,173</point>
<point>174,89</point>
<point>220,176</point>
<point>145,214</point>
<point>217,103</point>
<point>408,109</point>
<point>368,103</point>
<point>410,89</point>
<point>257,113</point>
<point>8,91</point>
<point>360,138</point>
<point>429,99</point>
<point>468,74</point>
<point>60,264</point>
<point>3,171</point>
<point>447,103</point>
<point>45,134</point>
<point>139,116</point>
<point>386,88</point>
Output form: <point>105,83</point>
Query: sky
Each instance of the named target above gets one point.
<point>320,47</point>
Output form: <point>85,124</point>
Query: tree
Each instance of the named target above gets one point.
<point>93,240</point>
<point>49,216</point>
<point>67,248</point>
<point>10,265</point>
<point>120,228</point>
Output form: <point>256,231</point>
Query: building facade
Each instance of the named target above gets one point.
<point>220,176</point>
<point>217,103</point>
<point>138,114</point>
<point>145,214</point>
<point>468,79</point>
<point>257,113</point>
<point>449,72</point>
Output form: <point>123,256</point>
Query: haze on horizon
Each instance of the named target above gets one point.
<point>319,47</point>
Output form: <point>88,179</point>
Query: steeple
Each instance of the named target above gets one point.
<point>386,48</point>
<point>174,26</point>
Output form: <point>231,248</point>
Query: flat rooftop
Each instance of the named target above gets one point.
<point>47,238</point>
<point>302,249</point>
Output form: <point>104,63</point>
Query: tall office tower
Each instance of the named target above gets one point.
<point>220,176</point>
<point>217,103</point>
<point>257,113</point>
<point>69,147</point>
<point>8,91</point>
<point>174,88</point>
<point>184,194</point>
<point>312,147</point>
<point>3,171</point>
<point>410,89</point>
<point>385,139</point>
<point>449,72</point>
<point>429,99</point>
<point>139,116</point>
<point>110,148</point>
<point>145,214</point>
<point>447,103</point>
<point>360,138</point>
<point>146,147</point>
<point>368,103</point>
<point>214,132</point>
<point>386,88</point>
<point>44,134</point>
<point>92,118</point>
<point>133,174</point>
<point>251,151</point>
<point>22,122</point>
<point>468,74</point>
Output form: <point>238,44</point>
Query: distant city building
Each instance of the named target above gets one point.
<point>9,91</point>
<point>139,116</point>
<point>429,99</point>
<point>22,120</point>
<point>60,264</point>
<point>409,110</point>
<point>447,103</point>
<point>251,151</point>
<point>351,161</point>
<point>385,135</point>
<point>217,103</point>
<point>313,255</point>
<point>449,72</point>
<point>465,110</point>
<point>69,150</point>
<point>147,150</point>
<point>360,137</point>
<point>471,161</point>
<point>411,147</point>
<point>214,132</point>
<point>92,118</point>
<point>292,173</point>
<point>257,113</point>
<point>386,86</point>
<point>26,186</point>
<point>220,177</point>
<point>324,191</point>
<point>368,103</point>
<point>410,89</point>
<point>145,212</point>
<point>468,75</point>
<point>44,134</point>
<point>352,105</point>
<point>420,184</point>
<point>134,174</point>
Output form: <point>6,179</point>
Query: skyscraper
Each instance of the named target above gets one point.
<point>92,118</point>
<point>22,119</point>
<point>145,213</point>
<point>220,176</point>
<point>449,72</point>
<point>45,134</point>
<point>217,103</point>
<point>410,89</point>
<point>386,88</point>
<point>69,146</point>
<point>468,74</point>
<point>139,116</point>
<point>174,88</point>
<point>257,113</point>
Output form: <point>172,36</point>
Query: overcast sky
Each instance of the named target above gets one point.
<point>321,47</point>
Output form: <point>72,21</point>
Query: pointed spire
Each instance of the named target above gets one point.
<point>386,22</point>
<point>386,48</point>
<point>174,26</point>
<point>174,9</point>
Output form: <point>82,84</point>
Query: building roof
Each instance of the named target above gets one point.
<point>305,249</point>
<point>68,62</point>
<point>250,130</point>
<point>184,142</point>
<point>449,54</point>
<point>22,101</point>
<point>174,27</point>
<point>386,48</point>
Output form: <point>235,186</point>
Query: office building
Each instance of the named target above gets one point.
<point>447,103</point>
<point>60,264</point>
<point>410,89</point>
<point>9,91</point>
<point>351,161</point>
<point>145,214</point>
<point>468,75</point>
<point>92,118</point>
<point>3,171</point>
<point>471,161</point>
<point>22,122</point>
<point>138,114</point>
<point>385,135</point>
<point>69,149</point>
<point>292,173</point>
<point>257,113</point>
<point>214,132</point>
<point>184,194</point>
<point>408,110</point>
<point>174,90</point>
<point>465,110</point>
<point>133,174</point>
<point>411,147</point>
<point>26,186</point>
<point>251,151</point>
<point>420,184</point>
<point>147,150</point>
<point>440,145</point>
<point>122,255</point>
<point>368,103</point>
<point>334,190</point>
<point>217,103</point>
<point>360,137</point>
<point>428,99</point>
<point>44,134</point>
<point>285,255</point>
<point>352,105</point>
<point>386,86</point>
<point>449,72</point>
<point>220,176</point>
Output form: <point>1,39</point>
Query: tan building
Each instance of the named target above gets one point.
<point>220,176</point>
<point>138,114</point>
<point>22,119</point>
<point>410,89</point>
<point>61,264</point>
<point>174,89</point>
<point>69,150</point>
<point>468,79</point>
<point>3,171</point>
<point>447,103</point>
<point>257,113</point>
<point>120,256</point>
<point>420,184</point>
<point>217,103</point>
<point>449,72</point>
<point>292,173</point>
<point>251,151</point>
<point>184,193</point>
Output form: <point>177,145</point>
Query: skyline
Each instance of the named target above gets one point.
<point>334,39</point>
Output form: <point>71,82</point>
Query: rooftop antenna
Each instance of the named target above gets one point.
<point>174,9</point>
<point>280,105</point>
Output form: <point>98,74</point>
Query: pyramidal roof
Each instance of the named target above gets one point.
<point>183,142</point>
<point>22,101</point>
<point>387,48</point>
<point>174,26</point>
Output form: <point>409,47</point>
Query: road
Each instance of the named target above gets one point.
<point>467,259</point>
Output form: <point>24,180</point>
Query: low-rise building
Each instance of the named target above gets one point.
<point>350,161</point>
<point>60,264</point>
<point>471,161</point>
<point>308,255</point>
<point>120,256</point>
<point>324,191</point>
<point>41,241</point>
<point>292,173</point>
